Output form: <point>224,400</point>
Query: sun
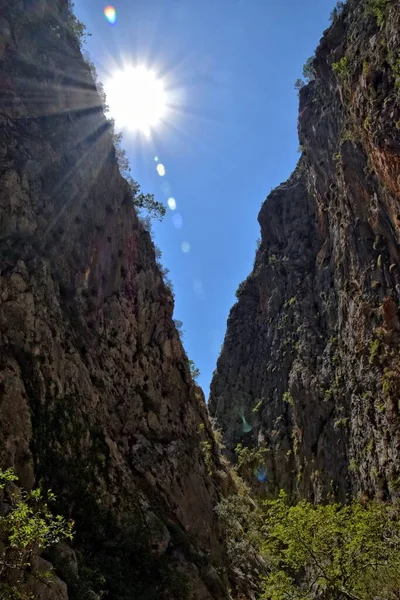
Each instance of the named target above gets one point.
<point>136,98</point>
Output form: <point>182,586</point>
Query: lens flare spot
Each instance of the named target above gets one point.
<point>177,221</point>
<point>261,474</point>
<point>161,170</point>
<point>185,246</point>
<point>246,426</point>
<point>171,203</point>
<point>156,159</point>
<point>110,14</point>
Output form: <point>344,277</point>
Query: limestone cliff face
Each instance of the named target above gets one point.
<point>311,357</point>
<point>96,397</point>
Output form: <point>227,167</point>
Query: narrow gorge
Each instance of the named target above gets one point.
<point>97,398</point>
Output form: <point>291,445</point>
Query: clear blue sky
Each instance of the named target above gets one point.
<point>230,66</point>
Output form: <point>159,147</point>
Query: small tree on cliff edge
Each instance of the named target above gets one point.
<point>27,527</point>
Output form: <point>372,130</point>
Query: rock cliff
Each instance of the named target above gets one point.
<point>310,366</point>
<point>96,397</point>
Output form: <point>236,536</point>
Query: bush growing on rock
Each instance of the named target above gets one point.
<point>27,527</point>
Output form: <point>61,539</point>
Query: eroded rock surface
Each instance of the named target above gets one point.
<point>96,397</point>
<point>310,366</point>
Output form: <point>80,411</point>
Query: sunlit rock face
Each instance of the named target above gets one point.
<point>96,397</point>
<point>311,357</point>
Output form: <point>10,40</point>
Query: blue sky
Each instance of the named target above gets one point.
<point>228,67</point>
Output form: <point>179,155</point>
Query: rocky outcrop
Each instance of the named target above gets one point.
<point>96,397</point>
<point>310,366</point>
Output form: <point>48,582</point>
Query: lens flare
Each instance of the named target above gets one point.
<point>110,14</point>
<point>161,170</point>
<point>171,203</point>
<point>245,425</point>
<point>261,474</point>
<point>185,247</point>
<point>177,221</point>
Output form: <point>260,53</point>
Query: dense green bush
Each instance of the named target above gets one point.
<point>331,551</point>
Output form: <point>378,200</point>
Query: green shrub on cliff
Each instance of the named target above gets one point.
<point>377,8</point>
<point>331,551</point>
<point>341,67</point>
<point>77,28</point>
<point>27,527</point>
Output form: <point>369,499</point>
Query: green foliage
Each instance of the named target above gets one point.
<point>341,423</point>
<point>179,327</point>
<point>353,466</point>
<point>291,301</point>
<point>27,527</point>
<point>337,157</point>
<point>147,202</point>
<point>194,371</point>
<point>299,84</point>
<point>250,460</point>
<point>308,74</point>
<point>377,8</point>
<point>206,449</point>
<point>308,69</point>
<point>288,398</point>
<point>76,27</point>
<point>373,351</point>
<point>330,551</point>
<point>240,289</point>
<point>341,67</point>
<point>390,383</point>
<point>241,523</point>
<point>337,11</point>
<point>257,407</point>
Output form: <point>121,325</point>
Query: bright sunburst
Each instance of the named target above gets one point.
<point>136,98</point>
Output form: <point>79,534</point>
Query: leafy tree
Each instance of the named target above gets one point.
<point>27,527</point>
<point>332,552</point>
<point>308,74</point>
<point>77,28</point>
<point>179,327</point>
<point>194,371</point>
<point>308,69</point>
<point>337,11</point>
<point>299,84</point>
